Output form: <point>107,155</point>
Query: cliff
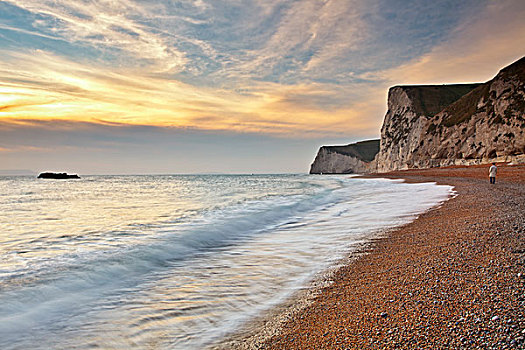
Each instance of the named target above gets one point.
<point>439,125</point>
<point>409,110</point>
<point>354,158</point>
<point>428,126</point>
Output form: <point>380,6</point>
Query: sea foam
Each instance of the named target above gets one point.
<point>178,261</point>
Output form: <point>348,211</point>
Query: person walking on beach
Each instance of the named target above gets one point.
<point>492,173</point>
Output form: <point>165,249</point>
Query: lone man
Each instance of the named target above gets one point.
<point>492,173</point>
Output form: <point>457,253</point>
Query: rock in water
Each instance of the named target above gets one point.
<point>58,176</point>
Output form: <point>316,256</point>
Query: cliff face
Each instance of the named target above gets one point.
<point>349,159</point>
<point>428,126</point>
<point>409,110</point>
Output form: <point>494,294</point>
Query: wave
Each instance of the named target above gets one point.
<point>84,277</point>
<point>69,287</point>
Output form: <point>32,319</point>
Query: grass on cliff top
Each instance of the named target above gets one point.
<point>364,150</point>
<point>465,107</point>
<point>516,69</point>
<point>429,100</point>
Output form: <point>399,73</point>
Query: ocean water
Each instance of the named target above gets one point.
<point>176,262</point>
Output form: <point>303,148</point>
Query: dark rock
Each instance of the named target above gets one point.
<point>58,176</point>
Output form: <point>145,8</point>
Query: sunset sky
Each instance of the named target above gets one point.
<point>168,86</point>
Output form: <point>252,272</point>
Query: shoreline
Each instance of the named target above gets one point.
<point>257,331</point>
<point>405,289</point>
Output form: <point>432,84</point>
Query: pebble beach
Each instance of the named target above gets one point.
<point>452,279</point>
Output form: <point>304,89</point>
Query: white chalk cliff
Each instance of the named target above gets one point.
<point>349,159</point>
<point>441,125</point>
<point>423,129</point>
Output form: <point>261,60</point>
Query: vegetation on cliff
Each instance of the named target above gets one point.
<point>432,99</point>
<point>363,150</point>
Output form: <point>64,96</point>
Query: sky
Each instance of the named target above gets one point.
<point>226,86</point>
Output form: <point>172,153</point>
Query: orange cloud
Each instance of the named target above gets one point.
<point>23,149</point>
<point>43,86</point>
<point>59,89</point>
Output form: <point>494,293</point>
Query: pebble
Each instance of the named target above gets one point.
<point>470,300</point>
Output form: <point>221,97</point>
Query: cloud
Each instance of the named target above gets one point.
<point>24,149</point>
<point>20,30</point>
<point>304,36</point>
<point>474,52</point>
<point>286,68</point>
<point>44,86</point>
<point>109,24</point>
<point>223,43</point>
<point>91,148</point>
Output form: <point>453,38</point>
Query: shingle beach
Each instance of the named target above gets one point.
<point>452,279</point>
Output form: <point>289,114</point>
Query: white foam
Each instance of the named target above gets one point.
<point>187,282</point>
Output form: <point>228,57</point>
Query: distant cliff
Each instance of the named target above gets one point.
<point>353,158</point>
<point>428,126</point>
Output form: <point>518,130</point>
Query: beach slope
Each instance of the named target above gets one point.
<point>453,278</point>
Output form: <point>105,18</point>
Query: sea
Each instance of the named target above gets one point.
<point>177,261</point>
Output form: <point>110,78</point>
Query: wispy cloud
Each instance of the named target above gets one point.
<point>44,86</point>
<point>474,52</point>
<point>222,43</point>
<point>104,24</point>
<point>29,32</point>
<point>307,39</point>
<point>301,68</point>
